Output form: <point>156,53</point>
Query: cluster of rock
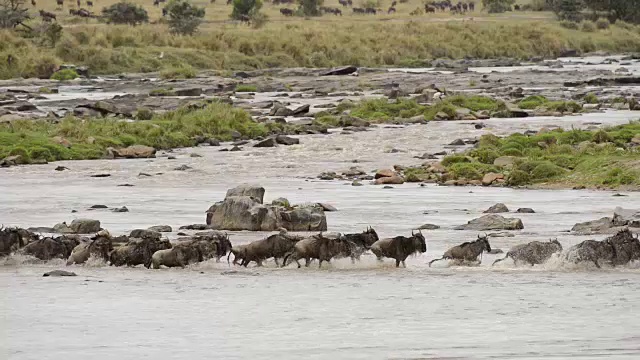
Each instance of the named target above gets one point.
<point>243,209</point>
<point>608,225</point>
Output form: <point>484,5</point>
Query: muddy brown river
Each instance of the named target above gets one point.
<point>365,310</point>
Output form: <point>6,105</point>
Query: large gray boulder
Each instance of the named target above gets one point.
<point>600,226</point>
<point>243,209</point>
<point>254,191</point>
<point>308,218</point>
<point>497,208</point>
<point>492,222</point>
<point>626,217</point>
<point>85,226</point>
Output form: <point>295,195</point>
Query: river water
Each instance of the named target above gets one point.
<point>343,311</point>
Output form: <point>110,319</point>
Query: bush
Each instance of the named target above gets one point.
<point>454,159</point>
<point>485,156</point>
<point>603,23</point>
<point>38,153</point>
<point>311,7</point>
<point>245,9</point>
<point>182,71</point>
<point>19,151</point>
<point>43,67</point>
<point>546,170</point>
<point>568,9</point>
<point>144,114</point>
<point>125,13</point>
<point>184,18</point>
<point>65,74</point>
<point>618,176</point>
<point>568,24</point>
<point>591,98</point>
<point>471,171</point>
<point>497,6</point>
<point>246,88</point>
<point>588,26</point>
<point>601,136</point>
<point>518,178</point>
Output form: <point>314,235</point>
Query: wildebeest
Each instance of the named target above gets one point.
<point>394,3</point>
<point>357,10</point>
<point>164,12</point>
<point>516,7</point>
<point>238,253</point>
<point>78,3</point>
<point>90,3</point>
<point>399,247</point>
<point>472,6</point>
<point>275,246</point>
<point>391,10</point>
<point>245,19</point>
<point>156,3</point>
<point>99,247</point>
<point>33,3</point>
<point>137,251</point>
<point>189,252</point>
<point>47,16</point>
<point>429,9</point>
<point>319,247</point>
<point>532,253</point>
<point>370,10</point>
<point>345,3</point>
<point>60,3</point>
<point>466,252</point>
<point>51,248</point>
<point>12,239</point>
<point>618,249</point>
<point>286,12</point>
<point>361,242</point>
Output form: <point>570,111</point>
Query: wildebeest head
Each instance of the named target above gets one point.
<point>419,242</point>
<point>485,242</point>
<point>223,245</point>
<point>371,236</point>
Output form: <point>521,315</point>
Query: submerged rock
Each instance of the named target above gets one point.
<point>59,273</point>
<point>131,152</point>
<point>492,222</point>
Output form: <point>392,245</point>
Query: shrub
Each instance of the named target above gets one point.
<point>244,9</point>
<point>564,161</point>
<point>182,71</point>
<point>618,176</point>
<point>471,171</point>
<point>246,88</point>
<point>601,136</point>
<point>454,159</point>
<point>591,98</point>
<point>568,9</point>
<point>485,156</point>
<point>43,67</point>
<point>518,178</point>
<point>184,18</point>
<point>125,13</point>
<point>144,114</point>
<point>20,151</point>
<point>489,140</point>
<point>588,26</point>
<point>64,74</point>
<point>311,7</point>
<point>497,6</point>
<point>568,24</point>
<point>603,23</point>
<point>546,170</point>
<point>512,152</point>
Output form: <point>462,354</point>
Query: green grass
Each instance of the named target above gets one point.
<point>182,71</point>
<point>246,88</point>
<point>34,139</point>
<point>381,110</point>
<point>65,74</point>
<point>532,102</point>
<point>574,157</point>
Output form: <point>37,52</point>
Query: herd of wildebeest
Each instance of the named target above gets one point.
<point>430,7</point>
<point>147,247</point>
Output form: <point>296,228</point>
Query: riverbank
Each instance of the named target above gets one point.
<point>118,49</point>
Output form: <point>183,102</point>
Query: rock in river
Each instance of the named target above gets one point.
<point>59,273</point>
<point>497,208</point>
<point>132,152</point>
<point>492,222</point>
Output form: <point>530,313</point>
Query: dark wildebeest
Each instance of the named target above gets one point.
<point>99,247</point>
<point>12,239</point>
<point>472,6</point>
<point>357,10</point>
<point>274,246</point>
<point>429,9</point>
<point>245,19</point>
<point>394,3</point>
<point>238,253</point>
<point>535,252</point>
<point>370,10</point>
<point>60,3</point>
<point>164,12</point>
<point>229,2</point>
<point>321,248</point>
<point>33,3</point>
<point>137,251</point>
<point>90,3</point>
<point>156,3</point>
<point>466,252</point>
<point>286,12</point>
<point>344,3</point>
<point>399,247</point>
<point>51,248</point>
<point>361,242</point>
<point>78,3</point>
<point>618,249</point>
<point>516,7</point>
<point>391,10</point>
<point>47,16</point>
<point>10,60</point>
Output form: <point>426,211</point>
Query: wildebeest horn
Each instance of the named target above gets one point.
<point>412,233</point>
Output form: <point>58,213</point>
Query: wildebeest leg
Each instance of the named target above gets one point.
<point>320,264</point>
<point>380,259</point>
<point>397,262</point>
<point>596,262</point>
<point>307,261</point>
<point>404,265</point>
<point>276,260</point>
<point>259,262</point>
<point>434,260</point>
<point>298,262</point>
<point>499,260</point>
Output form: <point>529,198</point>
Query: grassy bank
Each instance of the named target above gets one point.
<point>606,158</point>
<point>88,139</point>
<point>109,49</point>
